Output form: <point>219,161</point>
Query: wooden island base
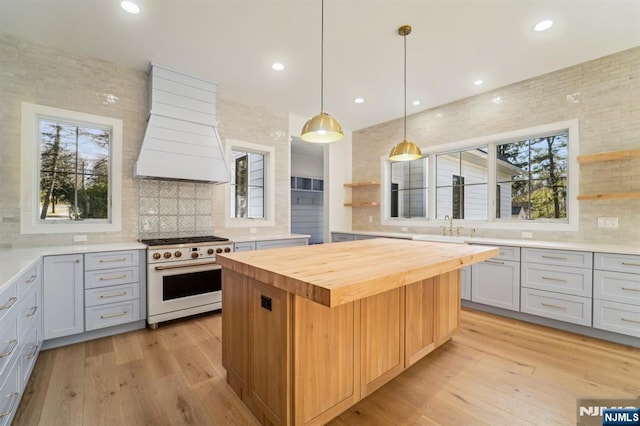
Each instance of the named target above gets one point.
<point>294,361</point>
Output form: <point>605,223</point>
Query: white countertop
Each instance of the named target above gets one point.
<point>557,245</point>
<point>14,262</point>
<point>265,237</point>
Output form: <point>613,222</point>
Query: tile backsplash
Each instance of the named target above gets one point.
<point>174,209</point>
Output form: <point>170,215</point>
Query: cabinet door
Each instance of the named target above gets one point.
<point>465,283</point>
<point>63,292</point>
<point>496,283</point>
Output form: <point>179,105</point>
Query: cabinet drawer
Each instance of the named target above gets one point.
<point>112,314</point>
<point>508,253</point>
<point>30,310</point>
<point>338,237</point>
<point>102,278</point>
<point>29,279</point>
<point>578,259</point>
<point>264,245</point>
<point>560,279</point>
<point>616,317</point>
<point>111,259</point>
<point>246,246</point>
<point>112,294</point>
<point>617,262</point>
<point>8,299</point>
<point>9,393</point>
<point>9,341</point>
<point>616,287</point>
<point>562,307</point>
<point>28,355</point>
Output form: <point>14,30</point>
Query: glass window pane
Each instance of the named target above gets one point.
<point>461,184</point>
<point>533,176</point>
<point>74,171</point>
<point>409,192</point>
<point>247,184</point>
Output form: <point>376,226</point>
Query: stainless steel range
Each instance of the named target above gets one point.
<point>183,277</point>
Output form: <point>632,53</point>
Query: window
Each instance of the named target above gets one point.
<point>537,181</point>
<point>71,171</point>
<point>525,178</point>
<point>461,184</point>
<point>250,190</point>
<point>409,189</point>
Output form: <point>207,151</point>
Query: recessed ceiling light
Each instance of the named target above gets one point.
<point>358,100</point>
<point>416,103</point>
<point>543,25</point>
<point>130,7</point>
<point>277,66</point>
<point>478,82</point>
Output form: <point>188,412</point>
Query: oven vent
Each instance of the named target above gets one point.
<point>181,140</point>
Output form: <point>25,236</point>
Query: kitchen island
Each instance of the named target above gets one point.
<point>310,331</point>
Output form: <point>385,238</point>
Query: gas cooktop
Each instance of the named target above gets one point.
<point>183,240</point>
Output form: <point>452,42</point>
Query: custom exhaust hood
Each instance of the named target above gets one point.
<point>181,140</point>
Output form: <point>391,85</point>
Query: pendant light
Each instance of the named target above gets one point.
<point>405,150</point>
<point>322,128</point>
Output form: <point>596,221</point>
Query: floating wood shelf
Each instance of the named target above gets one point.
<point>609,156</point>
<point>362,204</point>
<point>613,196</point>
<point>358,184</point>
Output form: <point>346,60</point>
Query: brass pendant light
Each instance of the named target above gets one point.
<point>405,150</point>
<point>322,128</point>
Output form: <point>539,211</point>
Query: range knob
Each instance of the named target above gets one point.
<point>194,255</point>
<point>157,256</point>
<point>227,249</point>
<point>178,254</point>
<point>167,254</point>
<point>210,251</point>
<point>219,250</point>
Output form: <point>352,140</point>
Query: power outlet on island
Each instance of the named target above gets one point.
<point>79,238</point>
<point>610,222</point>
<point>526,235</point>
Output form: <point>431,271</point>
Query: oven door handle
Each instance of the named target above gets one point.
<point>186,265</point>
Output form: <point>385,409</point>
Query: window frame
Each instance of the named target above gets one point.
<point>30,222</point>
<point>269,185</point>
<point>490,141</point>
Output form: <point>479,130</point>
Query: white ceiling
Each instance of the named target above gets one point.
<point>234,42</point>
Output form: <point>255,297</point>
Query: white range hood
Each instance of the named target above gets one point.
<point>181,141</point>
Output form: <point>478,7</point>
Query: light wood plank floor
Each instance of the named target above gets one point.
<point>495,371</point>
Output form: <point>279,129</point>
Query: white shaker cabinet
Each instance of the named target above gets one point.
<point>496,282</point>
<point>63,295</point>
<point>465,283</point>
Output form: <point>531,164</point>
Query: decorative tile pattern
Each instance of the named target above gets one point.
<point>168,206</point>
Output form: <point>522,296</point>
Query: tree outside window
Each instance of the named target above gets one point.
<point>74,171</point>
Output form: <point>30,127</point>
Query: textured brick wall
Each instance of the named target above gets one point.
<point>49,76</point>
<point>603,94</point>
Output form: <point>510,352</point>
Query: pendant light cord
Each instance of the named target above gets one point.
<point>404,137</point>
<point>322,58</point>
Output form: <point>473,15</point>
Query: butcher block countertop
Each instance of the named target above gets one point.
<point>339,273</point>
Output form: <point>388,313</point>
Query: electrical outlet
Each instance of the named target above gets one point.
<point>610,222</point>
<point>79,238</point>
<point>370,219</point>
<point>526,234</point>
<point>253,230</point>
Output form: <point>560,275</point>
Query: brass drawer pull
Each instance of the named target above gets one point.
<point>119,314</point>
<point>34,309</point>
<point>119,259</point>
<point>553,279</point>
<point>113,277</point>
<point>551,305</point>
<point>12,301</point>
<point>107,296</point>
<point>631,288</point>
<point>630,264</point>
<point>13,395</point>
<point>629,320</point>
<point>32,279</point>
<point>33,354</point>
<point>544,256</point>
<point>14,343</point>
